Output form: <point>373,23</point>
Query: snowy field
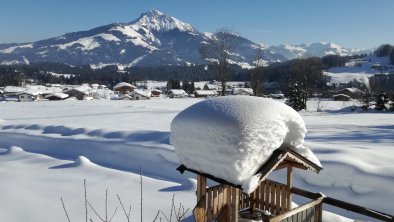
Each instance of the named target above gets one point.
<point>41,144</point>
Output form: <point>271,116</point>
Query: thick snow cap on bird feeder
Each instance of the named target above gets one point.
<point>232,137</point>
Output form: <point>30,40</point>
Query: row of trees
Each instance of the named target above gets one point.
<point>386,50</point>
<point>382,101</point>
<point>176,84</point>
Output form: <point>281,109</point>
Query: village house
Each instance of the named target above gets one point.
<point>156,92</point>
<point>139,95</point>
<point>80,93</point>
<point>242,91</point>
<point>353,93</point>
<point>205,93</point>
<point>29,96</point>
<point>177,93</point>
<point>124,88</point>
<point>341,97</point>
<point>56,96</point>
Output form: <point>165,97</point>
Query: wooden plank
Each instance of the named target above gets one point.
<point>201,187</point>
<point>283,202</point>
<point>257,198</point>
<point>297,210</point>
<point>277,201</point>
<point>215,200</point>
<point>201,198</point>
<point>234,204</point>
<point>267,196</point>
<point>227,192</point>
<point>289,185</point>
<point>209,206</point>
<point>220,198</point>
<point>224,214</point>
<point>262,196</point>
<point>272,195</point>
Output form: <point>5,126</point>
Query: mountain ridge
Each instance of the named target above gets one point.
<point>153,39</point>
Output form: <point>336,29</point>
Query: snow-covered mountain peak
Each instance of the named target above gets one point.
<point>158,21</point>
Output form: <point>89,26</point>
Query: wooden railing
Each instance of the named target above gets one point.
<point>269,196</point>
<point>218,204</point>
<point>310,212</point>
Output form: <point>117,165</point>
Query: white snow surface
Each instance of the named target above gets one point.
<point>232,137</point>
<point>355,148</point>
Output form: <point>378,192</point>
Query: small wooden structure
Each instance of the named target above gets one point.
<point>271,201</point>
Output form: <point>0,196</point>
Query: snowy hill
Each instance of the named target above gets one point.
<point>315,49</point>
<point>360,69</point>
<point>151,40</point>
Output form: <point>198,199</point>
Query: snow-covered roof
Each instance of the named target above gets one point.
<point>178,92</point>
<point>156,90</point>
<point>82,89</point>
<point>351,90</point>
<point>123,84</point>
<point>206,92</point>
<point>14,89</point>
<point>341,95</point>
<point>32,93</point>
<point>58,95</point>
<point>240,90</point>
<point>232,137</point>
<point>142,93</point>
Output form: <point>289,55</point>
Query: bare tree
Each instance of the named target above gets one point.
<point>309,75</point>
<point>218,50</point>
<point>257,73</point>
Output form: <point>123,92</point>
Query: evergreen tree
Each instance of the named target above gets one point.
<point>206,87</point>
<point>392,57</point>
<point>381,101</point>
<point>367,101</point>
<point>185,85</point>
<point>392,102</point>
<point>191,88</point>
<point>295,99</point>
<point>170,84</point>
<point>177,85</point>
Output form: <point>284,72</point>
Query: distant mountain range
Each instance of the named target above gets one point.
<point>154,39</point>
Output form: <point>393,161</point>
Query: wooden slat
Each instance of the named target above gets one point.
<point>257,198</point>
<point>209,205</point>
<point>289,185</point>
<point>267,196</point>
<point>234,203</point>
<point>277,201</point>
<point>215,201</point>
<point>283,202</point>
<point>220,198</point>
<point>272,199</point>
<point>262,195</point>
<point>224,214</point>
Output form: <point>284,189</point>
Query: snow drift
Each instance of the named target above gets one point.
<point>232,137</point>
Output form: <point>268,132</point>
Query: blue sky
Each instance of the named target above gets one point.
<point>350,23</point>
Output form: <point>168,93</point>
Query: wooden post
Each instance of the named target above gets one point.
<point>201,190</point>
<point>234,204</point>
<point>251,203</point>
<point>289,185</point>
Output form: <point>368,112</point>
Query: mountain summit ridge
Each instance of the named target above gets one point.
<point>153,39</point>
